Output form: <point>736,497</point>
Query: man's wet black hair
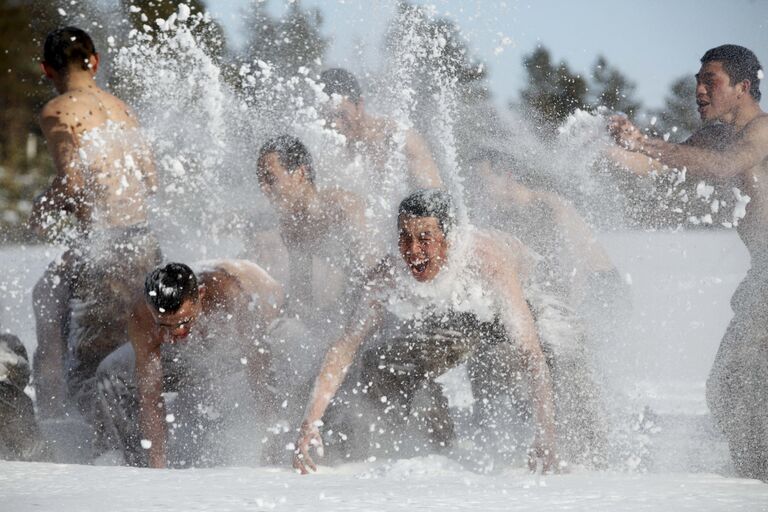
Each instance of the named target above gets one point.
<point>167,287</point>
<point>430,203</point>
<point>68,46</point>
<point>739,63</point>
<point>342,82</point>
<point>292,154</point>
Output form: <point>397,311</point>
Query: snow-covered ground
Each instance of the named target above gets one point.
<point>681,284</point>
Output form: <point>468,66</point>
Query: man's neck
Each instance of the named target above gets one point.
<point>303,203</point>
<point>74,81</point>
<point>743,115</point>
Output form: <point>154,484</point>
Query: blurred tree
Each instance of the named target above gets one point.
<point>23,168</point>
<point>553,91</point>
<point>289,43</point>
<point>429,56</point>
<point>145,12</point>
<point>679,117</point>
<point>611,89</point>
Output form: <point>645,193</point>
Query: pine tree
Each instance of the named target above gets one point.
<point>679,117</point>
<point>611,89</point>
<point>431,57</point>
<point>288,43</point>
<point>24,166</point>
<point>553,91</point>
<point>145,13</point>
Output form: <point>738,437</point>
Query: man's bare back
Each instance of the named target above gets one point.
<point>104,170</point>
<point>103,167</point>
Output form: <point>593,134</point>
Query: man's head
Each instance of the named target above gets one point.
<point>425,219</point>
<point>69,50</point>
<point>729,78</point>
<point>346,109</point>
<point>285,169</point>
<point>173,296</point>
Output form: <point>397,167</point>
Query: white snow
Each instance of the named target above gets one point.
<point>681,285</point>
<point>425,483</point>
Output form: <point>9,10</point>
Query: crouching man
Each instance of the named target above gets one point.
<point>454,296</point>
<point>162,398</point>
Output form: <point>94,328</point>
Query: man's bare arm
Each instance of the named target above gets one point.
<point>747,151</point>
<point>422,168</point>
<point>149,380</point>
<point>638,163</point>
<point>335,365</point>
<point>69,182</point>
<point>519,322</point>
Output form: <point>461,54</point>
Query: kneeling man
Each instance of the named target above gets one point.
<point>455,297</point>
<point>189,333</point>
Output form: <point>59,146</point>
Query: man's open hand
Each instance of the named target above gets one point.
<point>545,452</point>
<point>625,133</point>
<point>309,437</point>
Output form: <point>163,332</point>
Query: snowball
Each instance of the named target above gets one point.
<point>146,444</point>
<point>183,12</point>
<point>62,12</point>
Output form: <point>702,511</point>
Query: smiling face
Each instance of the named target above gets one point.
<point>716,98</point>
<point>175,326</point>
<point>423,246</point>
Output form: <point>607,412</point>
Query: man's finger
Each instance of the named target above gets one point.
<point>307,460</point>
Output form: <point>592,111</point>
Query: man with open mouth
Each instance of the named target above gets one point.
<point>455,296</point>
<point>728,92</point>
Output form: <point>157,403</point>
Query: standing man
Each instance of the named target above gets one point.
<point>104,175</point>
<point>189,333</point>
<point>728,92</point>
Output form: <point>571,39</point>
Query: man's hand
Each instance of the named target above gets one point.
<point>625,133</point>
<point>546,452</point>
<point>309,436</point>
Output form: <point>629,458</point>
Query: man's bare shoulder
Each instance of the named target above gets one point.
<point>498,252</point>
<point>758,126</point>
<point>346,202</point>
<point>247,275</point>
<point>140,327</point>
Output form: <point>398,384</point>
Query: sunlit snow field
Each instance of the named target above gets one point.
<point>681,284</point>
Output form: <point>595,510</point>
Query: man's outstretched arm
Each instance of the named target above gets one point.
<point>337,361</point>
<point>149,379</point>
<point>747,151</point>
<point>519,322</point>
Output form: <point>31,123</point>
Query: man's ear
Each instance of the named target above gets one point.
<point>201,291</point>
<point>93,63</point>
<point>47,70</point>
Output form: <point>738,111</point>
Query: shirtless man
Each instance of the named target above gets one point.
<point>728,91</point>
<point>376,137</point>
<point>310,219</point>
<point>104,173</point>
<point>451,297</point>
<point>188,332</point>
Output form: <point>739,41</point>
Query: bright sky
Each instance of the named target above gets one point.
<point>653,42</point>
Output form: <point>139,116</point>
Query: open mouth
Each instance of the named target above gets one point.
<point>418,266</point>
<point>702,104</point>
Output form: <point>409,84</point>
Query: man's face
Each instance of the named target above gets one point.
<point>175,326</point>
<point>343,115</point>
<point>423,246</point>
<point>715,96</point>
<point>281,187</point>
